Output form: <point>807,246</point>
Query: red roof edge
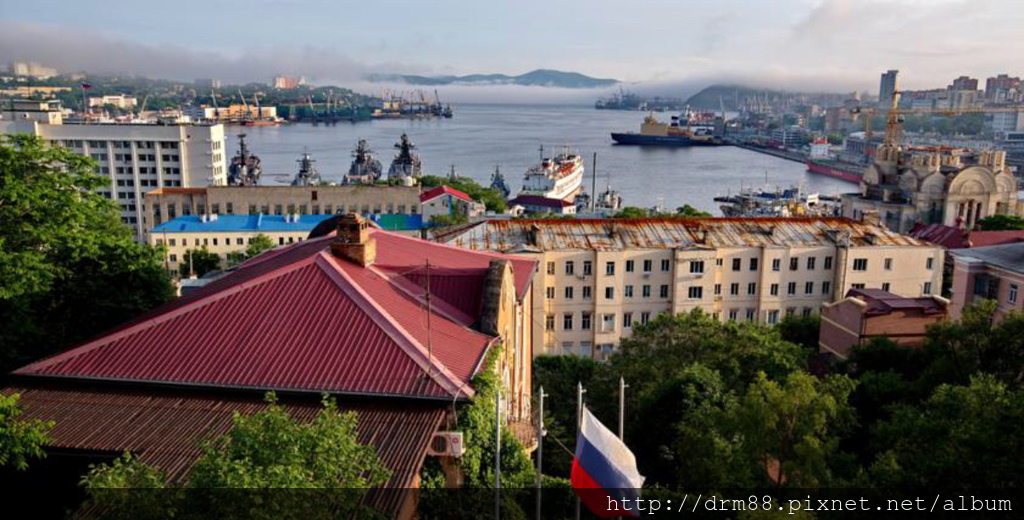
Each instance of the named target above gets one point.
<point>440,190</point>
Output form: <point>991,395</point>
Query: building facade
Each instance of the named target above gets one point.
<point>887,87</point>
<point>993,272</point>
<point>134,158</point>
<point>866,314</point>
<point>598,278</point>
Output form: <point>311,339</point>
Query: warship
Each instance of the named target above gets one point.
<point>308,174</point>
<point>405,167</point>
<point>245,168</point>
<point>365,168</point>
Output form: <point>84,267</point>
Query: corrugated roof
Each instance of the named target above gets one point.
<point>299,318</point>
<point>441,190</point>
<point>884,302</point>
<point>165,429</point>
<point>170,191</point>
<point>1005,256</point>
<point>663,233</point>
<point>238,223</point>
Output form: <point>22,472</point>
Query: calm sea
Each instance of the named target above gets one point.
<point>481,137</point>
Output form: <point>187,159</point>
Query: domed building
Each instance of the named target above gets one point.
<point>934,185</point>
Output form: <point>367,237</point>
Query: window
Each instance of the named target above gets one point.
<point>647,265</point>
<point>927,288</point>
<point>806,312</point>
<point>551,293</point>
<point>609,268</point>
<point>569,267</point>
<point>737,264</point>
<point>567,348</point>
<point>752,288</point>
<point>861,264</point>
<point>646,291</point>
<point>696,266</point>
<point>588,268</point>
<point>809,288</point>
<point>753,264</point>
<point>828,262</point>
<point>609,293</point>
<point>645,317</point>
<point>551,268</point>
<point>810,263</point>
<point>663,291</point>
<point>776,264</point>
<point>732,314</point>
<point>585,349</point>
<point>230,208</point>
<point>888,264</point>
<point>718,262</point>
<point>885,286</point>
<point>695,292</point>
<point>734,289</point>
<point>772,317</point>
<point>628,291</point>
<point>718,289</point>
<point>627,320</point>
<point>608,323</point>
<point>750,314</point>
<point>239,241</point>
<point>790,311</point>
<point>1012,295</point>
<point>665,265</point>
<point>568,293</point>
<point>791,288</point>
<point>856,286</point>
<point>586,292</point>
<point>794,264</point>
<point>567,321</point>
<point>774,289</point>
<point>585,321</point>
<point>629,266</point>
<point>929,263</point>
<point>549,322</point>
<point>826,288</point>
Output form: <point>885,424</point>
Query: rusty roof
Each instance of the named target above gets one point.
<point>177,191</point>
<point>165,429</point>
<point>511,236</point>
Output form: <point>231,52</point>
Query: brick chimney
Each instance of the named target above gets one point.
<point>353,241</point>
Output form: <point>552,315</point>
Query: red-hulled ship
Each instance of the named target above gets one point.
<point>847,171</point>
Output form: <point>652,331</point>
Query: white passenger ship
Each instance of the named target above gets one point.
<point>555,178</point>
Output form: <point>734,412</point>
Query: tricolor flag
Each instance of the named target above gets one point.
<point>604,472</point>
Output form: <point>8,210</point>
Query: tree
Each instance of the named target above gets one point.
<point>20,439</point>
<point>1001,223</point>
<point>453,219</point>
<point>801,330</point>
<point>199,262</point>
<point>490,197</point>
<point>976,343</point>
<point>689,211</point>
<point>631,212</point>
<point>259,244</point>
<point>62,249</point>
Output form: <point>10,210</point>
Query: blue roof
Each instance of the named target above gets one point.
<point>239,223</point>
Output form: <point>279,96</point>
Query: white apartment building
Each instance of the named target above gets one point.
<point>136,158</point>
<point>597,279</point>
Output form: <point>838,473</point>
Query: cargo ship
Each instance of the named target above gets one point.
<point>680,132</point>
<point>842,170</point>
<point>559,177</point>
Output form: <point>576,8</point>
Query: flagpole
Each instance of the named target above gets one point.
<point>579,428</point>
<point>540,446</point>
<point>497,453</point>
<point>622,408</point>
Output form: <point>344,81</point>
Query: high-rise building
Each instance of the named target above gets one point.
<point>134,158</point>
<point>964,83</point>
<point>888,87</point>
<point>285,82</point>
<point>1001,87</point>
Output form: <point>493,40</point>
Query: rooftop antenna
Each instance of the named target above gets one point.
<point>541,153</point>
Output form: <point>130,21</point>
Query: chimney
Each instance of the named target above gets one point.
<point>534,235</point>
<point>871,218</point>
<point>353,241</point>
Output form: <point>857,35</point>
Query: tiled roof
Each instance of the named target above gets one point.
<point>664,233</point>
<point>239,223</point>
<point>165,429</point>
<point>299,318</point>
<point>442,190</point>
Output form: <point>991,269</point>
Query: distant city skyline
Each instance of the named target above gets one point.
<point>832,45</point>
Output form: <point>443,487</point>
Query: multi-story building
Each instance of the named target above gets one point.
<point>993,272</point>
<point>135,158</point>
<point>888,87</point>
<point>166,203</point>
<point>1001,88</point>
<point>598,278</point>
<point>866,314</point>
<point>964,83</point>
<point>288,82</point>
<point>32,69</point>
<point>120,101</point>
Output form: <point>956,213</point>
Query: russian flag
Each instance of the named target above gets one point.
<point>604,473</point>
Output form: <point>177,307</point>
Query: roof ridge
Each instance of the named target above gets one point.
<point>410,288</point>
<point>162,317</point>
<point>441,375</point>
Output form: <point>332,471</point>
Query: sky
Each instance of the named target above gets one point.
<point>662,46</point>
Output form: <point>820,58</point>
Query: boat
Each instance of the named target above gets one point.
<point>498,183</point>
<point>308,174</point>
<point>778,202</point>
<point>559,177</point>
<point>365,168</point>
<point>245,168</point>
<point>842,170</point>
<point>406,166</point>
<point>681,131</point>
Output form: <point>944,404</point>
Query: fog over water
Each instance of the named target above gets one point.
<point>480,137</point>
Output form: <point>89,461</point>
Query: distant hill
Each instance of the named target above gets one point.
<point>536,78</point>
<point>708,98</point>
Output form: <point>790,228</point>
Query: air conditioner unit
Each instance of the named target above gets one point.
<point>446,444</point>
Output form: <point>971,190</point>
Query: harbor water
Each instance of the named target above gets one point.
<point>481,137</point>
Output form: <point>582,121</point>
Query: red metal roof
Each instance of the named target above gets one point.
<point>442,190</point>
<point>955,238</point>
<point>165,429</point>
<point>301,319</point>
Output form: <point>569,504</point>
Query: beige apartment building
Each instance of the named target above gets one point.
<point>164,204</point>
<point>597,279</point>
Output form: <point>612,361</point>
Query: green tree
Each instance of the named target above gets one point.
<point>689,211</point>
<point>801,330</point>
<point>631,212</point>
<point>1001,223</point>
<point>199,262</point>
<point>489,197</point>
<point>976,343</point>
<point>20,440</point>
<point>62,248</point>
<point>259,244</point>
<point>791,429</point>
<point>448,220</point>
